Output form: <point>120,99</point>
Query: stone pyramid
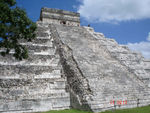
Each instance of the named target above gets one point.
<point>71,66</point>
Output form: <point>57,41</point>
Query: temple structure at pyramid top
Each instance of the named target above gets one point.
<point>58,16</point>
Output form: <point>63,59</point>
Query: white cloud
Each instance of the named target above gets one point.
<point>148,38</point>
<point>114,10</point>
<point>143,47</point>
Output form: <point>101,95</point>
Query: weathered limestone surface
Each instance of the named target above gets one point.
<point>36,84</point>
<point>72,66</point>
<point>134,61</point>
<point>107,78</point>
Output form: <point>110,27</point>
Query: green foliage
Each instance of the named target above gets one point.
<point>14,25</point>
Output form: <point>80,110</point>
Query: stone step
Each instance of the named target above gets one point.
<point>101,107</point>
<point>105,104</point>
<point>51,95</point>
<point>141,72</point>
<point>125,97</point>
<point>40,49</point>
<point>47,83</point>
<point>42,28</point>
<point>128,57</point>
<point>122,88</point>
<point>39,41</point>
<point>34,105</point>
<point>38,60</point>
<point>131,92</point>
<point>113,46</point>
<point>55,74</point>
<point>147,65</point>
<point>106,42</point>
<point>148,71</point>
<point>42,34</point>
<point>33,58</point>
<point>122,97</point>
<point>96,100</point>
<point>44,38</point>
<point>26,70</point>
<point>42,24</point>
<point>121,91</point>
<point>35,93</point>
<point>37,50</point>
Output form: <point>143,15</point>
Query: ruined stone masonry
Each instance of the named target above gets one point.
<point>71,66</point>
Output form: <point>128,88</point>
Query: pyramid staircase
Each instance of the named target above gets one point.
<point>72,66</point>
<point>106,74</point>
<point>36,84</point>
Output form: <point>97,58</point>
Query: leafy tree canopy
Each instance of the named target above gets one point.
<point>14,25</point>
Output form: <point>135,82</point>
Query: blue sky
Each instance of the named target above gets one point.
<point>127,21</point>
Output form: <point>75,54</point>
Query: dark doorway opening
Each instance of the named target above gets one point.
<point>64,22</point>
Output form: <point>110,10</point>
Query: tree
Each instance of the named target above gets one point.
<point>14,25</point>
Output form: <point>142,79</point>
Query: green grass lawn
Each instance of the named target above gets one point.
<point>68,111</point>
<point>134,110</point>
